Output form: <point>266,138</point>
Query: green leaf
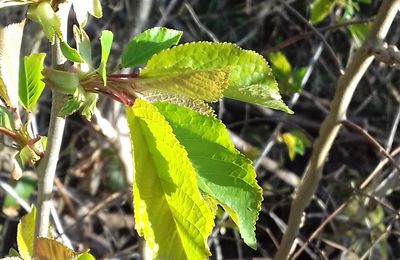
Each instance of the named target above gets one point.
<point>30,83</point>
<point>44,14</point>
<point>207,84</point>
<point>86,256</point>
<point>10,45</point>
<point>250,78</point>
<point>106,40</point>
<point>359,32</point>
<point>222,172</point>
<point>6,119</point>
<point>84,48</point>
<point>70,53</point>
<point>280,65</point>
<point>169,209</point>
<point>296,142</point>
<point>89,105</point>
<point>83,8</point>
<point>45,249</point>
<point>13,253</point>
<point>320,9</point>
<point>140,49</point>
<point>25,234</point>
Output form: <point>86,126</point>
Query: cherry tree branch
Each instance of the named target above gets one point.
<point>47,167</point>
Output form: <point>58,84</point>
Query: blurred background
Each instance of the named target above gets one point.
<point>93,203</point>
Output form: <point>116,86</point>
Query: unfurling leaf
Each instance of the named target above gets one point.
<point>25,234</point>
<point>296,142</point>
<point>30,80</point>
<point>140,49</point>
<point>222,172</point>
<point>250,77</point>
<point>169,209</point>
<point>44,14</point>
<point>106,40</point>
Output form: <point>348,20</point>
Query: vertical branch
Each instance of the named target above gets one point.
<point>345,88</point>
<point>47,167</point>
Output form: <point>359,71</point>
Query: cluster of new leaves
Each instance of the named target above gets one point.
<point>185,163</point>
<point>320,9</point>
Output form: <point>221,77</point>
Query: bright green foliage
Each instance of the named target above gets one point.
<point>6,119</point>
<point>222,172</point>
<point>139,50</point>
<point>70,53</point>
<point>279,63</point>
<point>250,78</point>
<point>44,14</point>
<point>169,209</point>
<point>84,48</point>
<point>83,8</point>
<point>106,40</point>
<point>207,84</point>
<point>296,142</point>
<point>25,233</point>
<point>359,33</point>
<point>320,9</point>
<point>289,80</point>
<point>30,83</point>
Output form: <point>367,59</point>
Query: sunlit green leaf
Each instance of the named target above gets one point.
<point>25,234</point>
<point>106,40</point>
<point>296,142</point>
<point>169,209</point>
<point>139,50</point>
<point>44,14</point>
<point>30,80</point>
<point>250,78</point>
<point>70,53</point>
<point>359,32</point>
<point>320,9</point>
<point>222,172</point>
<point>10,43</point>
<point>280,65</point>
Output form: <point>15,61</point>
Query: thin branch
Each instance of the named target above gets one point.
<point>372,141</point>
<point>346,86</point>
<point>306,35</point>
<point>47,167</point>
<point>328,47</point>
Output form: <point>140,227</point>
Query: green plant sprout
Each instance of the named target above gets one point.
<point>185,164</point>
